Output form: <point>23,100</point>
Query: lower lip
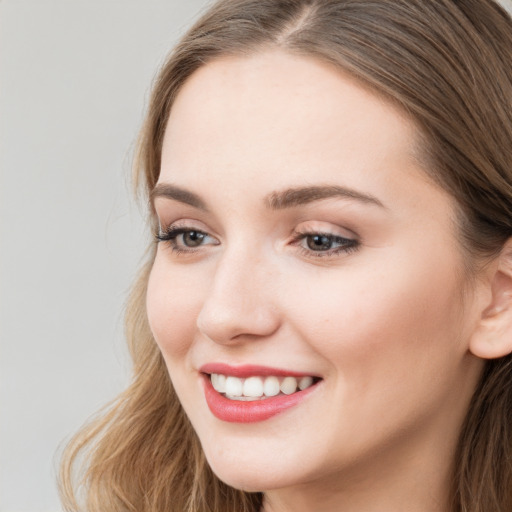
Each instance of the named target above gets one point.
<point>236,411</point>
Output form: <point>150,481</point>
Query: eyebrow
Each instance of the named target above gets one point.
<point>303,195</point>
<point>178,194</point>
<point>287,198</point>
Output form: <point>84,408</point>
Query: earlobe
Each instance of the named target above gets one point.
<point>493,336</point>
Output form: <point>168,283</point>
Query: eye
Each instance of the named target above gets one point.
<point>324,244</point>
<point>319,242</point>
<point>192,238</point>
<point>183,239</point>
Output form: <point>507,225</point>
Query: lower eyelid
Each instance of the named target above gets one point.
<point>336,252</point>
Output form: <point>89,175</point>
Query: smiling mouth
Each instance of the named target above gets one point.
<point>252,393</point>
<point>259,387</point>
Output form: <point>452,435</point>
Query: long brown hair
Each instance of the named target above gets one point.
<point>448,65</point>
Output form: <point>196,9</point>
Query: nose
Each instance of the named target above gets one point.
<point>240,304</point>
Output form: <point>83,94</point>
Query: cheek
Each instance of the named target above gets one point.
<point>377,325</point>
<point>392,341</point>
<point>172,306</point>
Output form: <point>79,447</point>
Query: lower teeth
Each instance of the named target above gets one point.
<point>252,398</point>
<point>246,398</point>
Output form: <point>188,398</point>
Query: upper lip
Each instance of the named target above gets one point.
<point>250,370</point>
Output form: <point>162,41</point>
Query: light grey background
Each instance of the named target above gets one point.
<point>74,79</point>
<point>75,76</point>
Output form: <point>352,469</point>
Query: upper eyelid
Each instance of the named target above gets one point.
<point>349,234</point>
<point>335,230</point>
<point>298,231</point>
<point>192,226</point>
<point>188,224</point>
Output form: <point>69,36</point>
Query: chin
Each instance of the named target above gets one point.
<point>255,470</point>
<point>251,479</point>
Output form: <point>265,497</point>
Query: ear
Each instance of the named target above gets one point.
<point>493,336</point>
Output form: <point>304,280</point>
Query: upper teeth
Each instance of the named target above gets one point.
<point>257,387</point>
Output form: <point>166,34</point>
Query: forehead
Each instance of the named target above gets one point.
<point>285,118</point>
<point>296,87</point>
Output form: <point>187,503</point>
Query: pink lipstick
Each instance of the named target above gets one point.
<point>259,406</point>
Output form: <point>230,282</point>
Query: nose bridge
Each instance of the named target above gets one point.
<point>239,300</point>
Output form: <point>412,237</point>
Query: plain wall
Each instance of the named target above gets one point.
<point>75,76</point>
<point>73,86</point>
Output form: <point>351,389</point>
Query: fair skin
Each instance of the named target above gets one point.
<point>378,309</point>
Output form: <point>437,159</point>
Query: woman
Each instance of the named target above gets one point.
<point>325,320</point>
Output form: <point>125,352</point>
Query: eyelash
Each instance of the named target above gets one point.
<point>346,245</point>
<point>172,233</point>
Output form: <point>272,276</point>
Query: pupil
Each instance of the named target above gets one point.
<point>319,242</point>
<point>193,238</point>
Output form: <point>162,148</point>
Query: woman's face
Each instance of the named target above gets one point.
<point>301,238</point>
